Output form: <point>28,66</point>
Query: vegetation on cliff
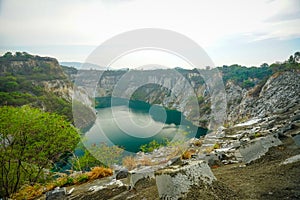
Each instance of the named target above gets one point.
<point>23,78</point>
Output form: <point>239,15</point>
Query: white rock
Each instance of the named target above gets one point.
<point>248,123</point>
<point>292,159</point>
<point>175,181</point>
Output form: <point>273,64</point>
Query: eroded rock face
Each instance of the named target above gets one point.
<point>175,182</point>
<point>278,95</point>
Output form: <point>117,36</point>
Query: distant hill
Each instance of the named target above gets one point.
<point>79,65</point>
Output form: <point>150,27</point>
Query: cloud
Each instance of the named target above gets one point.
<point>285,11</point>
<point>209,23</point>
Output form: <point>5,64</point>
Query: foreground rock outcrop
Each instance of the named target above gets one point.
<point>176,181</point>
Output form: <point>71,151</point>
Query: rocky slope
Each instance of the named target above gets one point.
<point>277,96</point>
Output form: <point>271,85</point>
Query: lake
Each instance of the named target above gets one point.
<point>130,124</point>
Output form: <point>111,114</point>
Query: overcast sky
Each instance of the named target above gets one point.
<point>233,31</point>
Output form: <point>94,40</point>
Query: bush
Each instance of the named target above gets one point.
<point>129,162</point>
<point>64,181</point>
<point>82,178</point>
<point>187,154</point>
<point>146,162</point>
<point>217,146</point>
<point>99,172</point>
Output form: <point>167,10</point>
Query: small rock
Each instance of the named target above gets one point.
<point>175,161</point>
<point>70,192</point>
<point>292,159</point>
<point>122,174</point>
<point>96,188</point>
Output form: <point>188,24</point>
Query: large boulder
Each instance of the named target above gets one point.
<point>256,148</point>
<point>175,182</point>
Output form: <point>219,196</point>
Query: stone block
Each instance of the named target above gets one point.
<point>175,182</point>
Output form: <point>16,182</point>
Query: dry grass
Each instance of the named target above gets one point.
<point>214,166</point>
<point>99,172</point>
<point>208,149</point>
<point>129,162</point>
<point>198,143</point>
<point>187,154</point>
<point>175,152</point>
<point>146,162</point>
<point>29,192</point>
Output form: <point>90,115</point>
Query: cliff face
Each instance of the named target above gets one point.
<point>169,88</point>
<point>178,90</point>
<point>278,95</point>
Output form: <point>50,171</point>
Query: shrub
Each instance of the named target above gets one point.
<point>82,178</point>
<point>64,181</point>
<point>129,162</point>
<point>198,143</point>
<point>146,161</point>
<point>187,154</point>
<point>257,135</point>
<point>217,146</point>
<point>99,172</point>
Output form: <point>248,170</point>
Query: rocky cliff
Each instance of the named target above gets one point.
<point>181,89</point>
<point>38,81</point>
<point>278,95</point>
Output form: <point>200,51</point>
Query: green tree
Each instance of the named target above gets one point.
<point>297,57</point>
<point>30,142</point>
<point>107,155</point>
<point>291,60</point>
<point>85,161</point>
<point>264,65</point>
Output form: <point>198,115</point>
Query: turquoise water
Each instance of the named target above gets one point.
<point>130,124</point>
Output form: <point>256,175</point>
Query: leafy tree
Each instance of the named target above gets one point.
<point>30,141</point>
<point>264,65</point>
<point>8,55</point>
<point>297,57</point>
<point>291,59</point>
<point>107,155</point>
